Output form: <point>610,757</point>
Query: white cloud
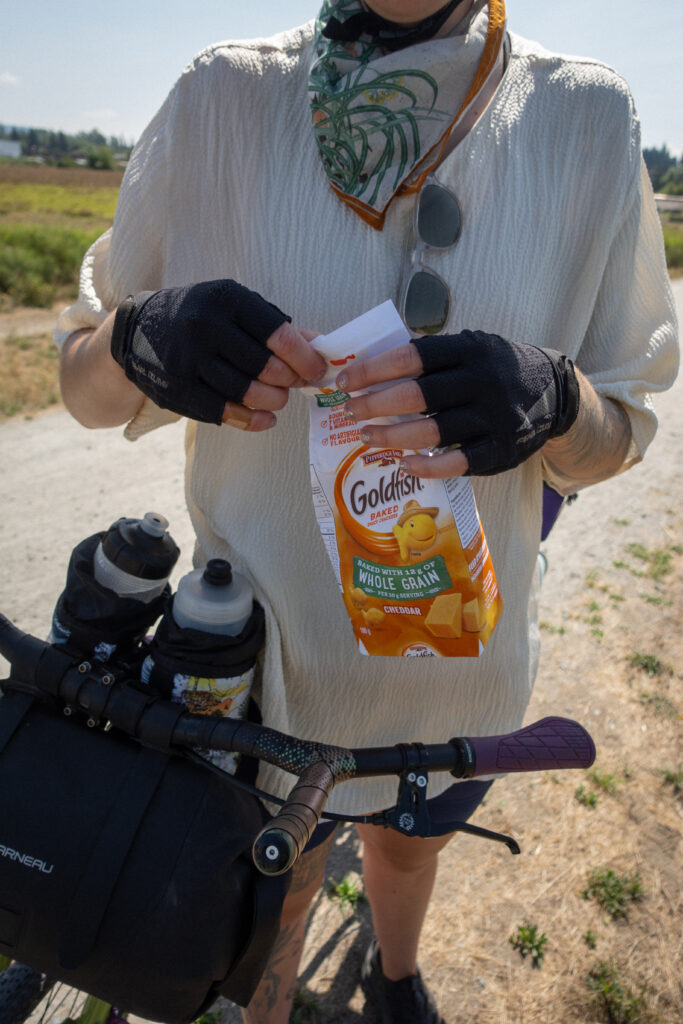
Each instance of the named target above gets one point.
<point>7,78</point>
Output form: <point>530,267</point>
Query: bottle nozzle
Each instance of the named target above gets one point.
<point>218,572</point>
<point>154,524</point>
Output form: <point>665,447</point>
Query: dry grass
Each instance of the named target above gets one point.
<point>69,177</point>
<point>29,381</point>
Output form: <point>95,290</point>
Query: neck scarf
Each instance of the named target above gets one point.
<point>382,119</point>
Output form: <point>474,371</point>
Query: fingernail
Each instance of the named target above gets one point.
<point>365,436</point>
<point>343,380</point>
<point>403,466</point>
<point>349,413</point>
<point>319,376</point>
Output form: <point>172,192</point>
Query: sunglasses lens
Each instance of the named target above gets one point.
<point>427,303</point>
<point>438,217</point>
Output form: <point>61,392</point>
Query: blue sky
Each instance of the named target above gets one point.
<point>106,65</point>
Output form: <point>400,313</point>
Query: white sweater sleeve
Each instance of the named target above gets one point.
<point>130,256</point>
<point>630,350</point>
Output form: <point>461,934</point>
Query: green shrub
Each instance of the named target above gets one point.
<point>348,893</point>
<point>612,891</point>
<point>529,942</point>
<point>36,260</point>
<point>613,996</point>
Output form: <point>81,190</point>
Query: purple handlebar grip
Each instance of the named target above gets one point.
<point>552,743</point>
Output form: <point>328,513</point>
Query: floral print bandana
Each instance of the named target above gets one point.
<point>382,120</point>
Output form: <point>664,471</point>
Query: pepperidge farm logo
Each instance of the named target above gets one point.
<point>26,860</point>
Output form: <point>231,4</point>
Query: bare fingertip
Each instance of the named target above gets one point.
<point>232,421</point>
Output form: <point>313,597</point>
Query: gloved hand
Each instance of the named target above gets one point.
<point>500,401</point>
<point>192,349</point>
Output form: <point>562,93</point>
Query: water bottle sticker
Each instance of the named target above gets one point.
<point>210,696</point>
<point>202,695</point>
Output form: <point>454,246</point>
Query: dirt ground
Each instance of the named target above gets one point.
<point>610,614</point>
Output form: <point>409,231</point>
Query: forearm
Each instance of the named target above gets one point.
<point>94,388</point>
<point>595,447</point>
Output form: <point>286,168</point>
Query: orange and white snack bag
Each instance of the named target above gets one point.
<point>409,553</point>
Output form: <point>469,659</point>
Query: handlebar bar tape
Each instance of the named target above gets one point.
<point>550,744</point>
<point>277,846</point>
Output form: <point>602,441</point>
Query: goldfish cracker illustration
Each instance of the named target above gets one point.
<point>415,530</point>
<point>408,553</point>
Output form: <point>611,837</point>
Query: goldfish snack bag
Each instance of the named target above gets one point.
<point>409,553</point>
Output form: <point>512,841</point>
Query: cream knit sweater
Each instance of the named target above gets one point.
<point>561,247</point>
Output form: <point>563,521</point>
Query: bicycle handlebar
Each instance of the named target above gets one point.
<point>552,743</point>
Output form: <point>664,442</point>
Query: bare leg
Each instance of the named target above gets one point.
<point>399,876</point>
<point>272,1001</point>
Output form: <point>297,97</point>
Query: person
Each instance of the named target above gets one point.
<point>281,178</point>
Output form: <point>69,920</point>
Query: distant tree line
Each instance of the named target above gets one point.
<point>666,172</point>
<point>63,150</point>
<point>96,150</point>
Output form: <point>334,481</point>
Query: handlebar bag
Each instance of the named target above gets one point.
<point>126,871</point>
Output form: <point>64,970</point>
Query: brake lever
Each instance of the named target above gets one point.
<point>410,814</point>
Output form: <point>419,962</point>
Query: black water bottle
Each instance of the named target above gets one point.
<point>204,651</point>
<point>116,589</point>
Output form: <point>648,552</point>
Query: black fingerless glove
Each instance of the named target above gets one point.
<point>500,401</point>
<point>192,349</point>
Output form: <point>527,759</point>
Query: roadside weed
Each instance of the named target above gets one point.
<point>305,1008</point>
<point>591,939</point>
<point>347,892</point>
<point>603,780</point>
<point>612,891</point>
<point>586,796</point>
<point>528,942</point>
<point>673,779</point>
<point>550,628</point>
<point>613,996</point>
<point>624,565</point>
<point>659,704</point>
<point>656,600</point>
<point>658,561</point>
<point>648,663</point>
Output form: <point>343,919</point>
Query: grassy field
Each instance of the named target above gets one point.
<point>48,218</point>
